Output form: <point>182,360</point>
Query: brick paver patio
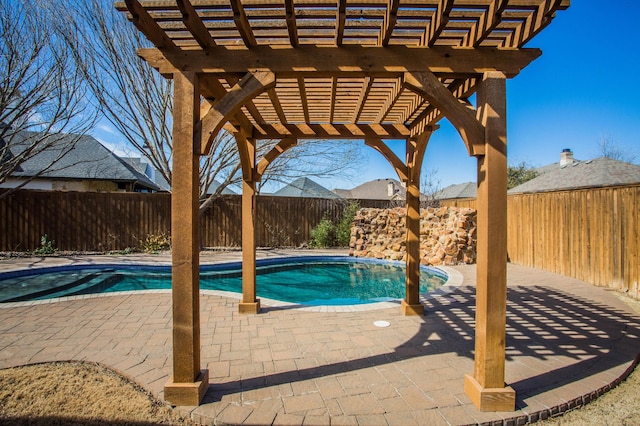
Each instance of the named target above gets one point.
<point>567,341</point>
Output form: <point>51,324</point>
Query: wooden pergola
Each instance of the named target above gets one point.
<point>374,70</point>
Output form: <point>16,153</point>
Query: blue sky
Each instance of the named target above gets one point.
<point>583,87</point>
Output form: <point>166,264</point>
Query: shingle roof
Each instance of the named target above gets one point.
<point>215,185</point>
<point>86,159</point>
<point>149,171</point>
<point>460,190</point>
<point>375,190</point>
<point>305,187</point>
<point>552,167</point>
<point>583,174</point>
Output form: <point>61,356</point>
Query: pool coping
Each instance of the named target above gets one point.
<point>455,280</point>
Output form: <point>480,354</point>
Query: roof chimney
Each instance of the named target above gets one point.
<point>391,189</point>
<point>566,157</point>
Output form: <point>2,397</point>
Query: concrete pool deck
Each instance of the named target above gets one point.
<point>567,342</point>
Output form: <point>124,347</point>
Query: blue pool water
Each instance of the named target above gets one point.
<point>305,280</point>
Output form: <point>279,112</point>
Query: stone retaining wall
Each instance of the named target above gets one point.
<point>447,235</point>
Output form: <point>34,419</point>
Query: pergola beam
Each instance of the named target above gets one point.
<point>345,60</point>
<point>390,102</point>
<point>438,22</point>
<point>366,87</point>
<point>242,23</point>
<point>341,16</point>
<point>489,21</point>
<point>331,131</point>
<point>290,15</point>
<point>390,19</point>
<point>147,26</point>
<point>195,25</point>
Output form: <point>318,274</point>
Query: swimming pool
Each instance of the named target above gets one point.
<point>304,280</point>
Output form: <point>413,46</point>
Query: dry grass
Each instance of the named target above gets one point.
<point>75,393</point>
<point>620,407</point>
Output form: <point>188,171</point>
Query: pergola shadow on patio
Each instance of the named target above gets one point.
<point>565,350</point>
<point>336,69</point>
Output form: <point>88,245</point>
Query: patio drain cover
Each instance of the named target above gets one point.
<point>381,323</point>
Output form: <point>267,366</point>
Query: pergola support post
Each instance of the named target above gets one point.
<point>486,387</point>
<point>189,383</point>
<point>415,149</point>
<point>249,304</point>
<point>411,303</point>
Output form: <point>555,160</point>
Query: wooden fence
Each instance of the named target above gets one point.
<point>591,234</point>
<point>280,221</point>
<point>84,221</point>
<point>114,221</point>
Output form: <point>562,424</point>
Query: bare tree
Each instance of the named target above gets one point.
<point>314,158</point>
<point>611,149</point>
<point>137,101</point>
<point>310,158</point>
<point>42,94</point>
<point>430,185</point>
<point>134,98</point>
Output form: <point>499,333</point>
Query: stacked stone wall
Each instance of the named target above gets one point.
<point>447,235</point>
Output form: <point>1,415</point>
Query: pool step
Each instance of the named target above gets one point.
<point>57,289</point>
<point>92,283</point>
<point>99,287</point>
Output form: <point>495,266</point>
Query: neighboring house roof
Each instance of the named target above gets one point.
<point>460,190</point>
<point>215,185</point>
<point>147,169</point>
<point>141,166</point>
<point>583,174</point>
<point>551,167</point>
<point>305,187</point>
<point>86,159</point>
<point>379,189</point>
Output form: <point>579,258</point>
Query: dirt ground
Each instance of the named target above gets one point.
<point>75,393</point>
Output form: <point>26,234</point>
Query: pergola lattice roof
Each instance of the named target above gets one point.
<point>340,64</point>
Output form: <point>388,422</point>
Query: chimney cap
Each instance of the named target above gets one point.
<point>566,150</point>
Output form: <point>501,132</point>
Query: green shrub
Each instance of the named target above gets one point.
<point>126,250</point>
<point>323,235</point>
<point>155,243</point>
<point>343,229</point>
<point>46,246</point>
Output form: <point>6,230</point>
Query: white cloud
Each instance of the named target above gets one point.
<point>106,128</point>
<point>119,149</point>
